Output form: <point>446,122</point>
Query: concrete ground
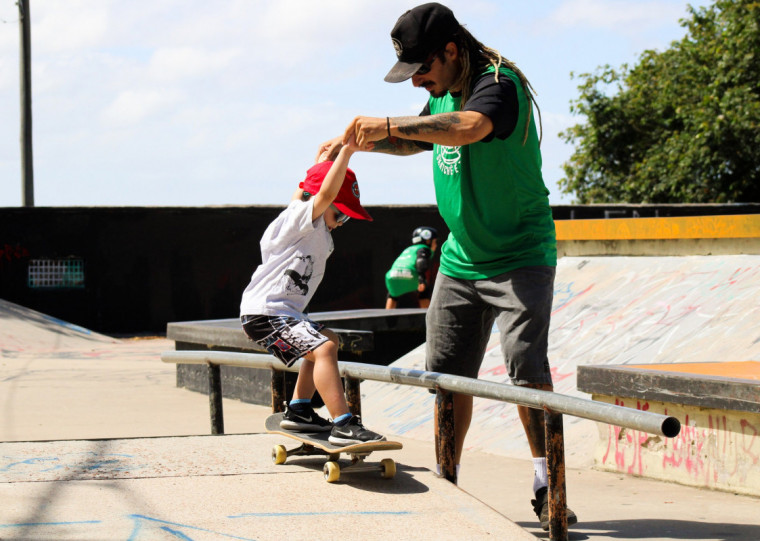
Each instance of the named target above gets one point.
<point>65,386</point>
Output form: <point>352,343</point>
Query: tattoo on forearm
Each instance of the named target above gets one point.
<point>414,125</point>
<point>396,145</point>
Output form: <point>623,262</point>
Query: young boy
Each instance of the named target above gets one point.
<point>294,250</point>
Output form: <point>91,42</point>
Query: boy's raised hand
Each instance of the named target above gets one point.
<point>351,144</point>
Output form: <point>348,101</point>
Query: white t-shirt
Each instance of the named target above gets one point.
<point>294,251</point>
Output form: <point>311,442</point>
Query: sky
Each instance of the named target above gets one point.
<point>190,103</point>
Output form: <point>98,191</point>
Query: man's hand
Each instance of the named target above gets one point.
<point>367,130</point>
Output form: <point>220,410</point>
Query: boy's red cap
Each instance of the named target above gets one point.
<point>347,200</point>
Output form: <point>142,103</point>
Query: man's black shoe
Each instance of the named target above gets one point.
<point>541,508</point>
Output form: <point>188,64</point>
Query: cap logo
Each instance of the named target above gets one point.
<point>399,48</point>
<point>355,189</point>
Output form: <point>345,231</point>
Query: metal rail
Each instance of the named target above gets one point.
<point>553,405</point>
<point>652,423</point>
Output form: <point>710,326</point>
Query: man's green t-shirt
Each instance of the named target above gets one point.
<point>493,199</point>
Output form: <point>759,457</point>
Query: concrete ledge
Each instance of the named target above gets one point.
<point>719,443</point>
<point>673,236</point>
<point>693,227</point>
<point>692,384</point>
<point>376,336</point>
<point>355,327</point>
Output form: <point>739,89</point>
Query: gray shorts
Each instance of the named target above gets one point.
<point>286,338</point>
<point>462,314</point>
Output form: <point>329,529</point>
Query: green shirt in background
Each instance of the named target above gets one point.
<point>493,199</point>
<point>403,276</point>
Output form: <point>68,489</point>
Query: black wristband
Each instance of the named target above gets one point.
<point>388,125</point>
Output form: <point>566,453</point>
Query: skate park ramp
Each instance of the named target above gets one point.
<point>607,310</point>
<point>22,328</point>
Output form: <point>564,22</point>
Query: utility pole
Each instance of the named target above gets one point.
<point>27,163</point>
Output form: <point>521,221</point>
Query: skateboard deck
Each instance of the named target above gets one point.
<point>317,444</point>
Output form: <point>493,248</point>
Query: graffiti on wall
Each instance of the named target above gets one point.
<point>715,448</point>
<point>11,252</point>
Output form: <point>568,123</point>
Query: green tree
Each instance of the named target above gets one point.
<point>682,126</point>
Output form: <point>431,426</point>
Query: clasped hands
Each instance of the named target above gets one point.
<point>365,129</point>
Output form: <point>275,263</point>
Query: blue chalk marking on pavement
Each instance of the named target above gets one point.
<point>28,524</point>
<point>322,513</point>
<point>138,527</point>
<point>176,533</point>
<point>28,461</point>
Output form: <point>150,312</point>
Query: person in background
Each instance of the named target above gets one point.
<point>408,280</point>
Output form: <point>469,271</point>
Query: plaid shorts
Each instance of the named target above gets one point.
<point>287,338</point>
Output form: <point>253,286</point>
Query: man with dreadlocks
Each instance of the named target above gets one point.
<point>498,263</point>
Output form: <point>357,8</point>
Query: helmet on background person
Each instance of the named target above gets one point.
<point>424,235</point>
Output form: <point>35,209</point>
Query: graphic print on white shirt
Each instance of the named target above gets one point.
<point>294,251</point>
<point>297,276</point>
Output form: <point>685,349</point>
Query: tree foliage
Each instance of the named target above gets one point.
<point>681,126</point>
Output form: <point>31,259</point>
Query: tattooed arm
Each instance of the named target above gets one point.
<point>449,129</point>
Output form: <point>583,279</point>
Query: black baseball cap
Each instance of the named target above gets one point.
<point>418,33</point>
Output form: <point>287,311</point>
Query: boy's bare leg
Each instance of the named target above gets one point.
<point>305,388</point>
<point>390,304</point>
<point>462,419</point>
<point>320,372</point>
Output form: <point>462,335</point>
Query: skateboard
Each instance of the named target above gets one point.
<point>316,444</point>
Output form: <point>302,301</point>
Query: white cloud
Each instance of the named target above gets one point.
<point>132,107</point>
<point>68,26</point>
<point>184,62</point>
<point>628,16</point>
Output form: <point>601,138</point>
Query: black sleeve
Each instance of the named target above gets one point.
<point>423,263</point>
<point>496,100</point>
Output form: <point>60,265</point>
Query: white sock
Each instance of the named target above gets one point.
<point>438,469</point>
<point>540,479</point>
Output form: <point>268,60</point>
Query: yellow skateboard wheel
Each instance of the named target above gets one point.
<point>279,454</point>
<point>331,470</point>
<point>389,468</point>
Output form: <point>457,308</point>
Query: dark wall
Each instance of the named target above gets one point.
<point>145,267</point>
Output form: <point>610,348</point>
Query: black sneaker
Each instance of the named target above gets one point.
<point>306,420</point>
<point>541,508</point>
<point>353,432</point>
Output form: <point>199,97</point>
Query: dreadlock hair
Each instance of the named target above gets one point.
<point>475,58</point>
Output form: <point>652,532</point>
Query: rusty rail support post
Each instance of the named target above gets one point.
<point>555,466</point>
<point>353,395</point>
<point>215,398</point>
<point>445,439</point>
<point>278,391</point>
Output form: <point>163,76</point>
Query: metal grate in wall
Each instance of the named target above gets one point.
<point>56,273</point>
